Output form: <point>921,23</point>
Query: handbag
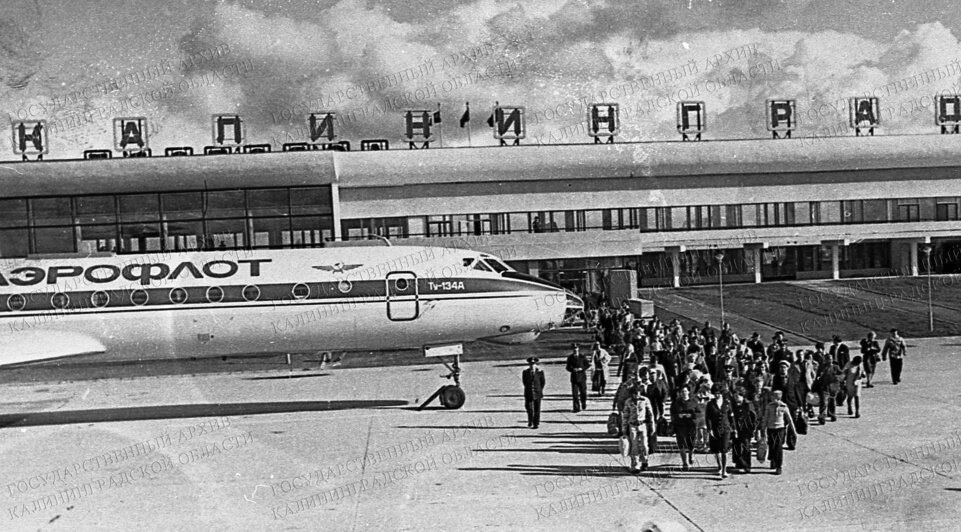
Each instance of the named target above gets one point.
<point>625,446</point>
<point>813,399</point>
<point>664,427</point>
<point>762,451</point>
<point>834,388</point>
<point>614,424</point>
<point>841,396</point>
<point>801,423</point>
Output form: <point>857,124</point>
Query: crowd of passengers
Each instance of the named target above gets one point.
<point>717,392</point>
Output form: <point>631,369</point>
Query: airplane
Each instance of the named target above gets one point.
<point>218,303</point>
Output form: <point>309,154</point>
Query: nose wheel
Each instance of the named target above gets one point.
<point>451,396</point>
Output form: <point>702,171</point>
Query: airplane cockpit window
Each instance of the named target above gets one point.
<point>480,265</point>
<point>468,262</point>
<point>496,265</point>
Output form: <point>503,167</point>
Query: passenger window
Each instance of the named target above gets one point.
<point>16,302</point>
<point>251,293</point>
<point>60,300</point>
<point>99,299</point>
<point>178,295</point>
<point>215,294</point>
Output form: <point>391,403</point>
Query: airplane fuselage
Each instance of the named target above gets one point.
<point>211,303</point>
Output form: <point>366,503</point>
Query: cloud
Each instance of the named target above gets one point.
<point>351,57</point>
<point>20,59</point>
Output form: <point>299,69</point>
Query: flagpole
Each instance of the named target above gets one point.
<point>440,126</point>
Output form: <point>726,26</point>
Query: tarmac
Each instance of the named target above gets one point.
<point>346,449</point>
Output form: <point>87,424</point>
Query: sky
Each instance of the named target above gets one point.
<point>80,63</point>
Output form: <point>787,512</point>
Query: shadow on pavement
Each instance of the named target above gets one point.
<point>183,411</point>
<point>276,377</point>
<point>561,470</point>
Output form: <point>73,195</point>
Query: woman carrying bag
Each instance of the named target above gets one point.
<point>601,359</point>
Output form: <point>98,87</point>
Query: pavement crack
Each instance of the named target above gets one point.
<point>363,472</point>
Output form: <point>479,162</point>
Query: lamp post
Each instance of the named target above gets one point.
<point>720,281</point>
<point>927,259</point>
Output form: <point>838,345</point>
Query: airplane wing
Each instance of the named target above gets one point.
<point>32,346</point>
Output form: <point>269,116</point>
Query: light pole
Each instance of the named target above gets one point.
<point>720,281</point>
<point>927,258</point>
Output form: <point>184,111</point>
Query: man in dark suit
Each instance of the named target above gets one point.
<point>577,365</point>
<point>533,378</point>
<point>840,352</point>
<point>791,384</point>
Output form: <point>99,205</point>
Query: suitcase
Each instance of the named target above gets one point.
<point>614,424</point>
<point>801,423</point>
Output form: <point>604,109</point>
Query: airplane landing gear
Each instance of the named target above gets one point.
<point>451,396</point>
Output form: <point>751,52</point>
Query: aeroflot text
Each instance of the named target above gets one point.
<point>106,273</point>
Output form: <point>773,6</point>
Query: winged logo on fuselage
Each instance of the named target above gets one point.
<point>337,267</point>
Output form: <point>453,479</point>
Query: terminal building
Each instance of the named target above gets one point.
<point>673,212</point>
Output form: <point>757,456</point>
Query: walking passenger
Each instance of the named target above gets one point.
<point>601,359</point>
<point>683,413</point>
<point>852,383</point>
<point>577,366</point>
<point>533,379</point>
<point>871,354</point>
<point>827,385</point>
<point>637,422</point>
<point>720,423</point>
<point>840,352</point>
<point>745,423</point>
<point>776,421</point>
<point>895,347</point>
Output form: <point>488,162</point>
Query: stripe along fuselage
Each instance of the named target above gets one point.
<point>189,304</point>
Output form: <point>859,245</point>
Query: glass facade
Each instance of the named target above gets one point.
<point>167,221</point>
<point>660,219</point>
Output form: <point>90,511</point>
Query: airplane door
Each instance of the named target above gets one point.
<point>402,298</point>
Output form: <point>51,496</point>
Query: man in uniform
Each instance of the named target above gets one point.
<point>533,378</point>
<point>577,365</point>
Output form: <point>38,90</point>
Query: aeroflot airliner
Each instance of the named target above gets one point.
<point>271,301</point>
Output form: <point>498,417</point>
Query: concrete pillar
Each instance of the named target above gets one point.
<point>835,246</point>
<point>674,252</point>
<point>913,258</point>
<point>335,211</point>
<point>835,261</point>
<point>532,268</point>
<point>754,258</point>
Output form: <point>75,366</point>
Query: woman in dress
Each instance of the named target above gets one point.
<point>719,420</point>
<point>683,413</point>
